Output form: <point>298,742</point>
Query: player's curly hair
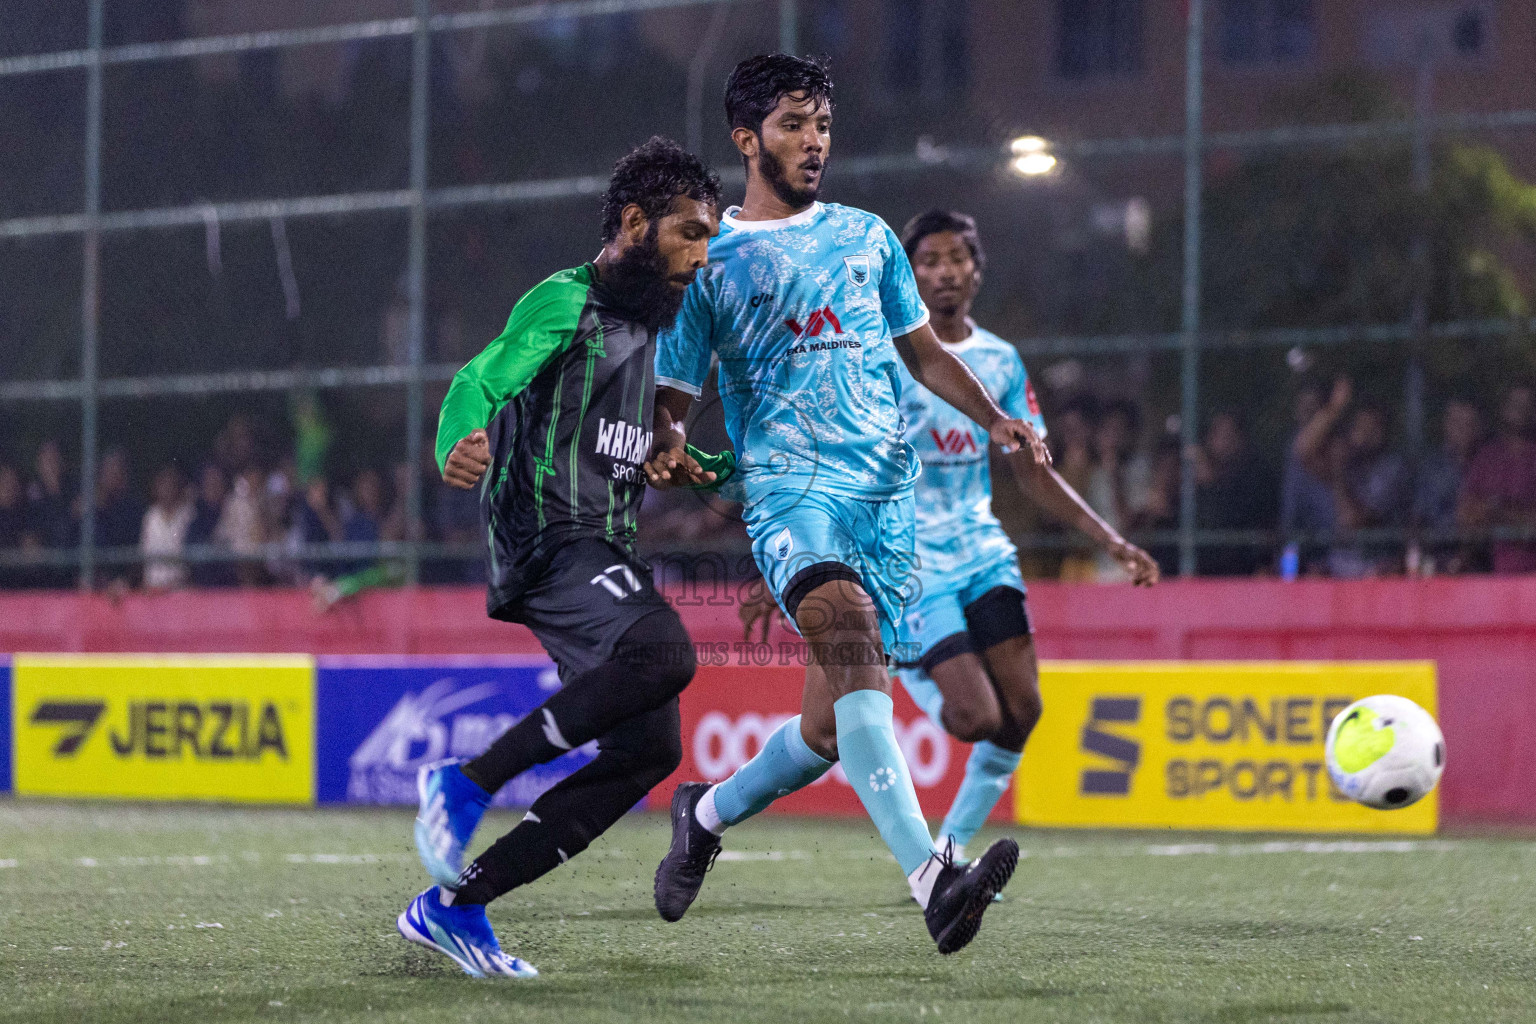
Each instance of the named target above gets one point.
<point>758,83</point>
<point>932,222</point>
<point>652,175</point>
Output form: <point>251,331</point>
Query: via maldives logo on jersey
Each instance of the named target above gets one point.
<point>815,324</point>
<point>955,441</point>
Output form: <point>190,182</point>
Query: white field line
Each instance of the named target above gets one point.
<point>771,855</point>
<point>1315,847</point>
<point>1312,847</point>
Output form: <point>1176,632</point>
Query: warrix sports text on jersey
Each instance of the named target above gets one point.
<point>566,394</point>
<point>957,534</point>
<point>801,313</point>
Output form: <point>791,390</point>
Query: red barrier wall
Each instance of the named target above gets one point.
<point>1480,631</point>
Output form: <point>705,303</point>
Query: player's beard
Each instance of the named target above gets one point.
<point>772,170</point>
<point>640,281</point>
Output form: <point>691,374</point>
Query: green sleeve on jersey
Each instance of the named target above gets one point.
<point>542,325</point>
<point>722,465</point>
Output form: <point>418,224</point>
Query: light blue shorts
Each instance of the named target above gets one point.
<point>801,539</point>
<point>938,614</point>
<point>938,611</point>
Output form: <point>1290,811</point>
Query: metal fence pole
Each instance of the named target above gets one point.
<point>90,299</point>
<point>789,26</point>
<point>416,287</point>
<point>1190,325</point>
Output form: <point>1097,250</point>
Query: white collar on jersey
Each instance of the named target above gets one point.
<point>972,339</point>
<point>805,216</point>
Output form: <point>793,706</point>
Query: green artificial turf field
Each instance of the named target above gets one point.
<point>197,914</point>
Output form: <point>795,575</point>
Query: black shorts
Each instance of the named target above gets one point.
<point>583,601</point>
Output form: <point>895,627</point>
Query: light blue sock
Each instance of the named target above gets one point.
<point>866,743</point>
<point>986,778</point>
<point>784,765</point>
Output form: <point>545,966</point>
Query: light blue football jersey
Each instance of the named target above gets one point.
<point>801,313</point>
<point>957,534</point>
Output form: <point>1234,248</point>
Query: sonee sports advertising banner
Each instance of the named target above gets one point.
<point>1230,745</point>
<point>165,727</point>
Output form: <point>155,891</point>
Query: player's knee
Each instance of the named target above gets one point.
<point>660,652</point>
<point>971,723</point>
<point>1023,714</point>
<point>1021,700</point>
<point>1026,708</point>
<point>662,756</point>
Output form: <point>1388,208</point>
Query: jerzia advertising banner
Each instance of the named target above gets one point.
<point>165,727</point>
<point>1205,745</point>
<point>380,719</point>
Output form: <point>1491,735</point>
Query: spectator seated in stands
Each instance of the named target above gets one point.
<point>13,523</point>
<point>1071,439</point>
<point>163,531</point>
<point>1500,485</point>
<point>1437,490</point>
<point>1306,502</point>
<point>242,523</point>
<point>1160,512</point>
<point>208,512</point>
<point>315,522</point>
<point>1234,491</point>
<point>1119,480</point>
<point>53,516</point>
<point>363,520</point>
<point>1345,445</point>
<point>119,512</point>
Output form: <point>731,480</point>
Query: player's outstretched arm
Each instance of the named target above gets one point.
<point>1058,498</point>
<point>946,375</point>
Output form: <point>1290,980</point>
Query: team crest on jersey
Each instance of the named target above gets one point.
<point>858,269</point>
<point>783,544</point>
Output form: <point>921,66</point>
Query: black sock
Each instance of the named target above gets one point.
<point>650,666</point>
<point>634,757</point>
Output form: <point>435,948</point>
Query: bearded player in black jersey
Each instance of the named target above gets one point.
<point>551,422</point>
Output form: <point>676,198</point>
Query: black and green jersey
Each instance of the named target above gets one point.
<point>566,394</point>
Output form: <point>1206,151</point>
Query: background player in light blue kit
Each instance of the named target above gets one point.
<point>973,666</point>
<point>812,311</point>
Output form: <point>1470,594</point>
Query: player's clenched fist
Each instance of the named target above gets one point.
<point>468,461</point>
<point>1013,434</point>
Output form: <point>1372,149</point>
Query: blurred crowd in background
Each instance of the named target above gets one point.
<point>249,506</point>
<point>1341,499</point>
<point>1302,466</point>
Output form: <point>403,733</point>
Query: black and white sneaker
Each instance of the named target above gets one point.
<point>681,872</point>
<point>963,892</point>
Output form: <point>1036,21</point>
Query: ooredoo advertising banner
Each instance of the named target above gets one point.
<point>1234,745</point>
<point>729,712</point>
<point>160,727</point>
<point>380,719</point>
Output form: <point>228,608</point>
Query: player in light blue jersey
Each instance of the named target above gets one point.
<point>812,311</point>
<point>973,667</point>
